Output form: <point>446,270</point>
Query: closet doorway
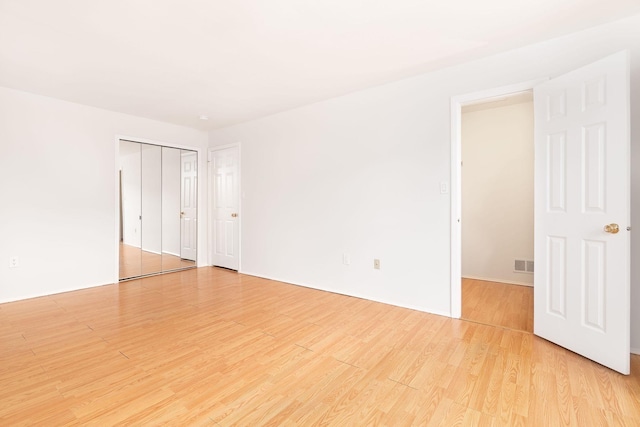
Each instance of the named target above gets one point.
<point>158,209</point>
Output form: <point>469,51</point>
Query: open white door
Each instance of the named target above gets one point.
<point>581,293</point>
<point>225,203</point>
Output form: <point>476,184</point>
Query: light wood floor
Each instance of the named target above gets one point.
<point>499,304</point>
<point>135,262</point>
<point>212,347</point>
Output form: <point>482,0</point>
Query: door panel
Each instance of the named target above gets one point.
<point>581,293</point>
<point>557,172</point>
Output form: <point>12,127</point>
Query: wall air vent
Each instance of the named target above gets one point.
<point>529,266</point>
<point>523,266</point>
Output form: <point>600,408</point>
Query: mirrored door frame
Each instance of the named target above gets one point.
<point>117,218</point>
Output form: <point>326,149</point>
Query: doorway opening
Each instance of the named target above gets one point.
<point>581,295</point>
<point>157,208</point>
<point>492,181</point>
<point>497,176</point>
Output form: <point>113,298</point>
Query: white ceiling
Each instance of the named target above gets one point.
<point>237,60</point>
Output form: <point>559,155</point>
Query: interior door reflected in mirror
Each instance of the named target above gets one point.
<point>173,183</point>
<point>188,205</point>
<point>158,209</point>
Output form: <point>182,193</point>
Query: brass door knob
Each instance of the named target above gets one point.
<point>234,215</point>
<point>611,228</point>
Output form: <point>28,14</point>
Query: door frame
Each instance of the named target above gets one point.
<point>210,199</point>
<point>116,172</point>
<point>456,181</point>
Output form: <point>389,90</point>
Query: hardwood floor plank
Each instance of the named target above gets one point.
<point>213,347</point>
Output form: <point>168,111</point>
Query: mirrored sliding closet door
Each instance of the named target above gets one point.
<point>158,209</point>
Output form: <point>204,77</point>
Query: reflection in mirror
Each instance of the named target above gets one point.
<point>158,225</point>
<point>130,230</point>
<point>171,211</point>
<point>188,206</point>
<point>151,208</point>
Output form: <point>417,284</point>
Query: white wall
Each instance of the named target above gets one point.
<point>497,192</point>
<point>58,181</point>
<point>360,174</point>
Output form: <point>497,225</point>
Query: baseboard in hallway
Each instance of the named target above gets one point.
<point>494,280</point>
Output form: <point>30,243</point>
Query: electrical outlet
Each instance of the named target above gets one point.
<point>376,264</point>
<point>14,262</point>
<point>346,259</point>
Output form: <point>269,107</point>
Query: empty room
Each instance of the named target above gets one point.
<point>269,213</point>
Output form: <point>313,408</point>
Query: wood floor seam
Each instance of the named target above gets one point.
<point>403,384</point>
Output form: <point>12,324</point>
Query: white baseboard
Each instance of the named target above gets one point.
<point>152,252</point>
<point>489,279</point>
<point>635,351</point>
<point>355,295</point>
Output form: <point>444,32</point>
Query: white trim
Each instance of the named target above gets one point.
<point>456,201</point>
<point>355,295</point>
<point>118,138</point>
<point>635,351</point>
<point>237,145</point>
<point>171,253</point>
<point>490,279</point>
<point>62,290</point>
<point>455,309</point>
<point>222,147</point>
<point>155,142</point>
<point>116,214</point>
